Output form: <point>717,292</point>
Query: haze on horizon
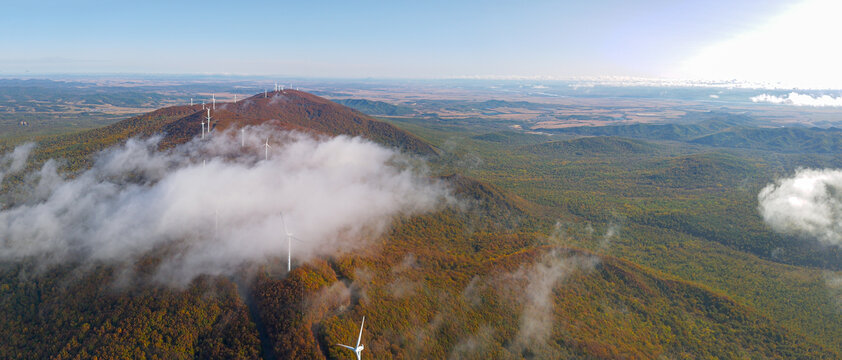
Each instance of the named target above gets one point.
<point>774,41</point>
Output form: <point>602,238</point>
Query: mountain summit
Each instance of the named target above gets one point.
<point>296,110</point>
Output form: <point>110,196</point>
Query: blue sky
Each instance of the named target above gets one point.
<point>354,39</point>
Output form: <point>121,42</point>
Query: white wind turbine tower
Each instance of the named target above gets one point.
<point>267,146</point>
<point>203,128</point>
<point>209,122</point>
<point>242,137</point>
<point>359,349</point>
<point>213,96</point>
<point>191,101</point>
<point>203,104</point>
<point>290,238</point>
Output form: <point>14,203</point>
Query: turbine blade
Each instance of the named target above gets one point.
<point>296,239</point>
<point>347,347</point>
<point>361,332</point>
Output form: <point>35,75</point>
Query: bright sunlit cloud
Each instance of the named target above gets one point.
<point>797,99</point>
<point>797,48</point>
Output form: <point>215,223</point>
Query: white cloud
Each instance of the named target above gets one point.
<point>807,204</point>
<point>536,318</point>
<point>797,99</point>
<point>211,219</point>
<point>15,161</point>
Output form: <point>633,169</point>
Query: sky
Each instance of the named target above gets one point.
<point>753,40</point>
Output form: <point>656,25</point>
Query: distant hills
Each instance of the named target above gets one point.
<point>594,145</point>
<point>724,130</point>
<point>676,131</point>
<point>373,107</point>
<point>788,140</point>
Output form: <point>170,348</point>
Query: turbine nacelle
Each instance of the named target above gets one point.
<point>360,347</point>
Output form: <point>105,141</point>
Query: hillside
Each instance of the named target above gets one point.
<point>373,107</point>
<point>788,140</point>
<point>724,131</point>
<point>596,145</point>
<point>700,124</point>
<point>433,288</point>
<point>700,171</point>
<point>511,137</point>
<point>428,288</point>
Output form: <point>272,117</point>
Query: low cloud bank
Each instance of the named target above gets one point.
<point>796,99</point>
<point>808,204</point>
<point>211,206</point>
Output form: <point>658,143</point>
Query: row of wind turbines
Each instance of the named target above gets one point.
<point>206,122</point>
<point>278,88</point>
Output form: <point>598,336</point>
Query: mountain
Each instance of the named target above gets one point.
<point>286,109</point>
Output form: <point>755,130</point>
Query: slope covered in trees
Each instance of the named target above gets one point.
<point>592,146</point>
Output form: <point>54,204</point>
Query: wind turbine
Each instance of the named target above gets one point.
<point>242,137</point>
<point>203,104</point>
<point>191,101</point>
<point>267,146</point>
<point>357,350</point>
<point>209,121</point>
<point>290,238</point>
<point>203,128</point>
<point>213,96</point>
